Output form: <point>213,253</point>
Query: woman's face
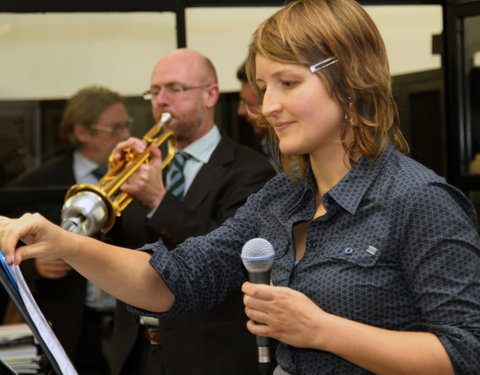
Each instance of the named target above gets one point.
<point>306,119</point>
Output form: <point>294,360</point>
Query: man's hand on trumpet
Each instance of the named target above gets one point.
<point>145,183</point>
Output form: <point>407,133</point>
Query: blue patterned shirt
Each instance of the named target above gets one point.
<point>397,249</point>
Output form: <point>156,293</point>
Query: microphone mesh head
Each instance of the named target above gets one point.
<point>257,255</point>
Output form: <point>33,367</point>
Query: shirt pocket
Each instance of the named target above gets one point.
<point>362,254</point>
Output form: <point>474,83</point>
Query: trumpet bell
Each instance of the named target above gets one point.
<point>85,213</point>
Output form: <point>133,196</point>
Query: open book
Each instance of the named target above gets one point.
<point>12,280</point>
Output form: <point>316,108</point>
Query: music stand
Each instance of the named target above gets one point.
<point>10,285</point>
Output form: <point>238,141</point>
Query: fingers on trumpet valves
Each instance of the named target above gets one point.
<point>129,155</point>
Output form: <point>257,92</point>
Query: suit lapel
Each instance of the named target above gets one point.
<point>213,171</point>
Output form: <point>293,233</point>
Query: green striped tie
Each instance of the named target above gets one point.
<point>177,178</point>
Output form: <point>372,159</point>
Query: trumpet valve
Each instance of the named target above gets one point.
<point>129,155</point>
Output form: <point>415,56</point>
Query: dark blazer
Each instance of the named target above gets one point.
<point>210,342</point>
<point>61,301</point>
<point>55,173</point>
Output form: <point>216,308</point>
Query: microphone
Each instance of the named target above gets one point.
<point>257,257</point>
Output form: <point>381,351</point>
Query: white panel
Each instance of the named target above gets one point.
<point>53,55</point>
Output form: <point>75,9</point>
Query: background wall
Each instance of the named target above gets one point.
<point>50,56</point>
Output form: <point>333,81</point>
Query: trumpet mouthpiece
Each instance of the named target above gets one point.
<point>165,117</point>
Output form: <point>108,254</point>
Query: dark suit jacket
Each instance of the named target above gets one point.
<point>62,301</point>
<point>210,342</point>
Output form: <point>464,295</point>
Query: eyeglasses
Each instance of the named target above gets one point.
<point>116,129</point>
<point>169,91</point>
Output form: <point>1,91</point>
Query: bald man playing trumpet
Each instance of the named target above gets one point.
<point>218,176</point>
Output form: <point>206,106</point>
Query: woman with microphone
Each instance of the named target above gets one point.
<point>377,266</point>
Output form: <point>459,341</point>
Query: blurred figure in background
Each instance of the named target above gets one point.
<point>94,121</point>
<point>248,107</point>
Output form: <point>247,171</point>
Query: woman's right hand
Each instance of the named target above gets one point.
<point>285,314</point>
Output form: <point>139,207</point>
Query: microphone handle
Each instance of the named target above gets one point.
<point>263,343</point>
<point>262,277</point>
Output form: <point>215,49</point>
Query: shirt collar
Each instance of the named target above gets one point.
<point>349,192</point>
<point>82,166</point>
<point>203,148</point>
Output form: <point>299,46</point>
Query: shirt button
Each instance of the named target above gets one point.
<point>348,250</point>
<point>313,244</point>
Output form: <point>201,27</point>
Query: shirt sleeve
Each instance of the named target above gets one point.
<point>441,264</point>
<point>203,270</point>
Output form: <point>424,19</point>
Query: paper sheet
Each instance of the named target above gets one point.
<point>41,323</point>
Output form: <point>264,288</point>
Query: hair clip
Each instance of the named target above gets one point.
<point>323,64</point>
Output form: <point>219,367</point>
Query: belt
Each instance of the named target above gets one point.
<point>151,335</point>
<point>149,329</point>
<point>148,321</point>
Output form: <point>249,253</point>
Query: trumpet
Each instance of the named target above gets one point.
<point>91,208</point>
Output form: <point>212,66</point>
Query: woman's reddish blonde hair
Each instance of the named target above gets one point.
<point>309,31</point>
